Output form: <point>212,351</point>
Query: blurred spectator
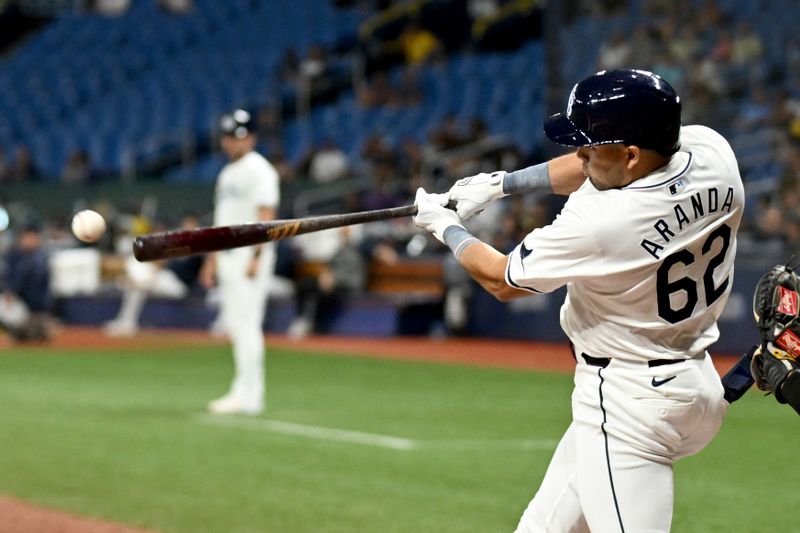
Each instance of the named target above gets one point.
<point>419,46</point>
<point>270,125</point>
<point>21,169</point>
<point>787,114</point>
<point>383,192</point>
<point>25,302</point>
<point>477,131</point>
<point>709,15</point>
<point>707,72</point>
<point>508,232</point>
<point>341,277</point>
<point>377,92</point>
<point>409,92</point>
<point>700,105</point>
<point>792,232</point>
<point>313,66</point>
<point>4,166</point>
<point>723,48</point>
<point>410,157</point>
<point>376,151</point>
<point>289,67</point>
<point>792,55</point>
<point>111,8</point>
<point>755,111</point>
<point>644,42</point>
<point>178,7</point>
<point>684,46</point>
<point>447,134</point>
<point>616,52</point>
<point>478,9</point>
<point>315,72</point>
<point>769,223</point>
<point>746,46</point>
<point>665,66</point>
<point>788,193</point>
<point>174,279</point>
<point>77,170</point>
<point>277,157</point>
<point>328,163</point>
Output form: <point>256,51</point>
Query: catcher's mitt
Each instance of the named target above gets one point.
<point>776,306</point>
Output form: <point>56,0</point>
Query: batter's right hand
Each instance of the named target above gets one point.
<point>432,215</point>
<point>473,194</point>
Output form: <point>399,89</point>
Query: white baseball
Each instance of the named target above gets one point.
<point>88,225</point>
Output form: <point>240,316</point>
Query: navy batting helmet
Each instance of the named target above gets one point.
<point>620,106</point>
<point>238,123</point>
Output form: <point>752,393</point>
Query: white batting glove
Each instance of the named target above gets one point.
<point>432,215</point>
<point>474,194</point>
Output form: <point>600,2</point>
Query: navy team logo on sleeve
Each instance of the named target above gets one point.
<point>524,251</point>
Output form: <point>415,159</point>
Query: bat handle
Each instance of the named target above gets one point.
<point>411,210</point>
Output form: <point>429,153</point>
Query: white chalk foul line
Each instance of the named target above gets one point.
<point>373,439</point>
<point>489,444</point>
<point>312,432</point>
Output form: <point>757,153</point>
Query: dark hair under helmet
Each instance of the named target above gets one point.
<point>620,106</point>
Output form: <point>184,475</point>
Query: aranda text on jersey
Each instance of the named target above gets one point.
<point>698,205</point>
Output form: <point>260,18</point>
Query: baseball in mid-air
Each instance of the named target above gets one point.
<point>88,225</point>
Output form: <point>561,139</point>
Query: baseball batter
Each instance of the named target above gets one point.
<point>645,245</point>
<point>247,191</point>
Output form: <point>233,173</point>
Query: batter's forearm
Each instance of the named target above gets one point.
<point>562,175</point>
<point>487,266</point>
<point>566,174</point>
<point>483,263</point>
<point>534,179</point>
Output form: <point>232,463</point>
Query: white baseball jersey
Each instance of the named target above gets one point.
<point>649,266</point>
<point>244,186</point>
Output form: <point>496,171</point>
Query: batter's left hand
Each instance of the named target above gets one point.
<point>432,215</point>
<point>474,193</point>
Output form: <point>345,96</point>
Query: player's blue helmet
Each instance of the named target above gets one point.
<point>238,123</point>
<point>620,106</point>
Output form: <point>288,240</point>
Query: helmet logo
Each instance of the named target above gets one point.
<point>571,101</point>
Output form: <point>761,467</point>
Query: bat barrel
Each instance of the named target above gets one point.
<point>203,240</point>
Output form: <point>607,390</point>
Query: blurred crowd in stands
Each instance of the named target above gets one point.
<point>729,79</point>
<point>718,60</point>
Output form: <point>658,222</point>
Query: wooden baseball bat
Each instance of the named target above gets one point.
<point>202,240</point>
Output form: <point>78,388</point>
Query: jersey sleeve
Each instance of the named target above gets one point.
<point>552,256</point>
<point>265,184</point>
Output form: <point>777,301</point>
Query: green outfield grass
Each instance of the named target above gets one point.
<point>348,444</point>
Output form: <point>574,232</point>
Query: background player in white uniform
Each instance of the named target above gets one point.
<point>645,245</point>
<point>247,191</point>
